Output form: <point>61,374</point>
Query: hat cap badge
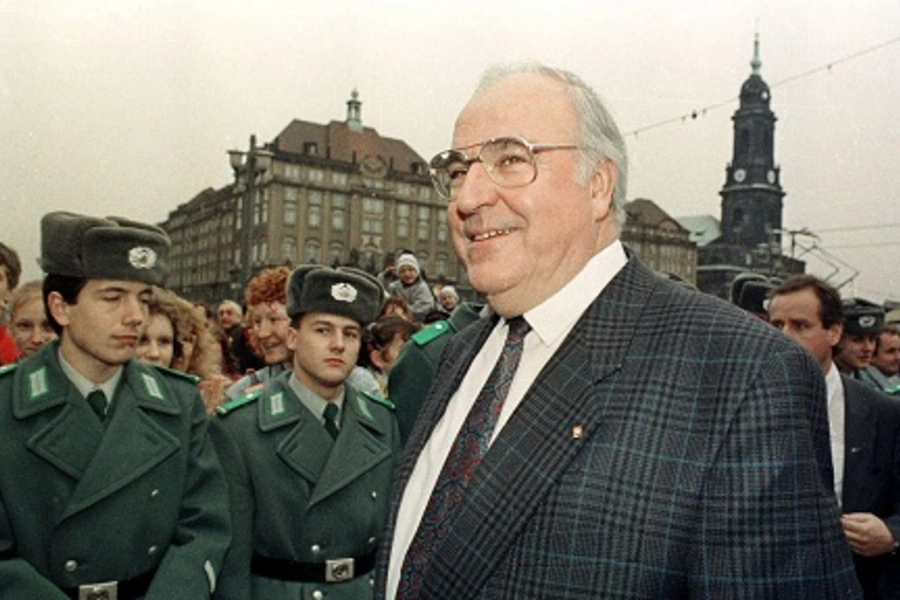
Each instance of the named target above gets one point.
<point>142,257</point>
<point>867,321</point>
<point>344,292</point>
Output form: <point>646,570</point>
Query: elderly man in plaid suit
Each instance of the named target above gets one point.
<point>609,434</point>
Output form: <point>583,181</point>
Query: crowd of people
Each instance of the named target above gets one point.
<point>589,430</point>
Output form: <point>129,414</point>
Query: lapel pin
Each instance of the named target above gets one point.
<point>577,432</point>
<point>855,449</point>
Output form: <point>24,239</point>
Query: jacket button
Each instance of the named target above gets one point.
<point>71,565</point>
<point>154,493</point>
<point>318,595</point>
<point>152,550</point>
<point>374,495</point>
<point>372,541</point>
<point>315,548</point>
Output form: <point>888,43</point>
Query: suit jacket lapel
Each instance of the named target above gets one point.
<point>859,445</point>
<point>563,411</point>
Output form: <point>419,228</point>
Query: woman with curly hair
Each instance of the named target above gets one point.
<point>176,337</point>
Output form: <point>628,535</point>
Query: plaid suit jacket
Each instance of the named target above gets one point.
<point>703,470</point>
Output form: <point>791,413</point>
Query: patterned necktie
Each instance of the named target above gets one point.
<point>330,414</point>
<point>97,401</point>
<point>468,449</point>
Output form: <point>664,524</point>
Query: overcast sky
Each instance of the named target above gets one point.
<point>129,107</point>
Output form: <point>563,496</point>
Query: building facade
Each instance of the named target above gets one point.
<point>659,240</point>
<point>335,194</point>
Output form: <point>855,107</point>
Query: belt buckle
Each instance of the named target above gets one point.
<point>339,569</point>
<point>108,590</point>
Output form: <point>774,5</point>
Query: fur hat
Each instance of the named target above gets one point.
<point>342,291</point>
<point>862,317</point>
<point>95,248</point>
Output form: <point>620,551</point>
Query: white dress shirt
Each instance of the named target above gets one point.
<point>836,420</point>
<point>551,322</point>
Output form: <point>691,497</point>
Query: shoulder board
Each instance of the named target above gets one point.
<point>377,399</point>
<point>232,405</point>
<point>179,374</point>
<point>433,331</point>
<point>8,368</point>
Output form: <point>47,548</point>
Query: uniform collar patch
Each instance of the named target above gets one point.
<point>152,386</point>
<point>37,384</point>
<point>363,405</point>
<point>276,404</point>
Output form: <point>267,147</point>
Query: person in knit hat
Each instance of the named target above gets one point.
<point>412,287</point>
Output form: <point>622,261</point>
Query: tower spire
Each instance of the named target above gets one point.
<point>756,63</point>
<point>354,112</point>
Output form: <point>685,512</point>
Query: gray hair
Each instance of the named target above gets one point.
<point>600,137</point>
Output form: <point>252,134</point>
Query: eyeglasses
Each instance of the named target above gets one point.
<point>509,161</point>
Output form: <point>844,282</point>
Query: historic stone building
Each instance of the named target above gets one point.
<point>333,194</point>
<point>659,240</point>
<point>752,198</point>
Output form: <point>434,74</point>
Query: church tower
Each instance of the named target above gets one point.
<point>752,194</point>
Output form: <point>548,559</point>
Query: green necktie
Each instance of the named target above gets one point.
<point>330,415</point>
<point>97,401</point>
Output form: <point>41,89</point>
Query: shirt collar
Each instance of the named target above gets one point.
<point>84,385</point>
<point>313,402</point>
<point>557,314</point>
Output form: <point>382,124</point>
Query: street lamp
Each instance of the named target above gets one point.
<point>248,167</point>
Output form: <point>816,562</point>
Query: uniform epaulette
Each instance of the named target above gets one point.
<point>180,374</point>
<point>232,405</point>
<point>433,331</point>
<point>8,368</point>
<point>378,399</point>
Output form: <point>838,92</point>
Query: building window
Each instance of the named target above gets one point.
<point>403,227</point>
<point>334,254</point>
<point>290,212</point>
<point>292,171</point>
<point>316,175</point>
<point>289,249</point>
<point>338,201</point>
<point>315,198</point>
<point>373,206</point>
<point>339,179</point>
<point>425,193</point>
<point>372,225</point>
<point>403,190</point>
<point>442,232</point>
<point>311,252</point>
<point>337,220</point>
<point>440,263</point>
<point>423,228</point>
<point>314,217</point>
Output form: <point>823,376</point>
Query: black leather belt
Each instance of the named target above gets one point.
<point>128,589</point>
<point>330,571</point>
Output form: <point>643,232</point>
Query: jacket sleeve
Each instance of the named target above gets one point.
<point>769,524</point>
<point>192,564</point>
<point>235,581</point>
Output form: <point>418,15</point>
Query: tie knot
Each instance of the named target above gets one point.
<point>518,327</point>
<point>331,411</point>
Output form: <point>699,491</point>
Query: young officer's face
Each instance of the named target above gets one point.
<point>325,350</point>
<point>102,328</point>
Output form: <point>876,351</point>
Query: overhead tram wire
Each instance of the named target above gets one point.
<point>701,112</point>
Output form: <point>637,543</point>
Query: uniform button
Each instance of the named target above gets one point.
<point>374,495</point>
<point>154,493</point>
<point>371,540</point>
<point>71,565</point>
<point>315,548</point>
<point>152,550</point>
<point>318,595</point>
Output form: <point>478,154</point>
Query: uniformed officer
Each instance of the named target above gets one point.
<point>410,378</point>
<point>110,487</point>
<point>863,322</point>
<point>309,458</point>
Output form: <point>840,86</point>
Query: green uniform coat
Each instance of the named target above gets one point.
<point>297,494</point>
<point>80,503</point>
<point>412,374</point>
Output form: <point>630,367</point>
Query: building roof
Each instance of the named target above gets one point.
<point>704,228</point>
<point>338,141</point>
<point>642,211</point>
